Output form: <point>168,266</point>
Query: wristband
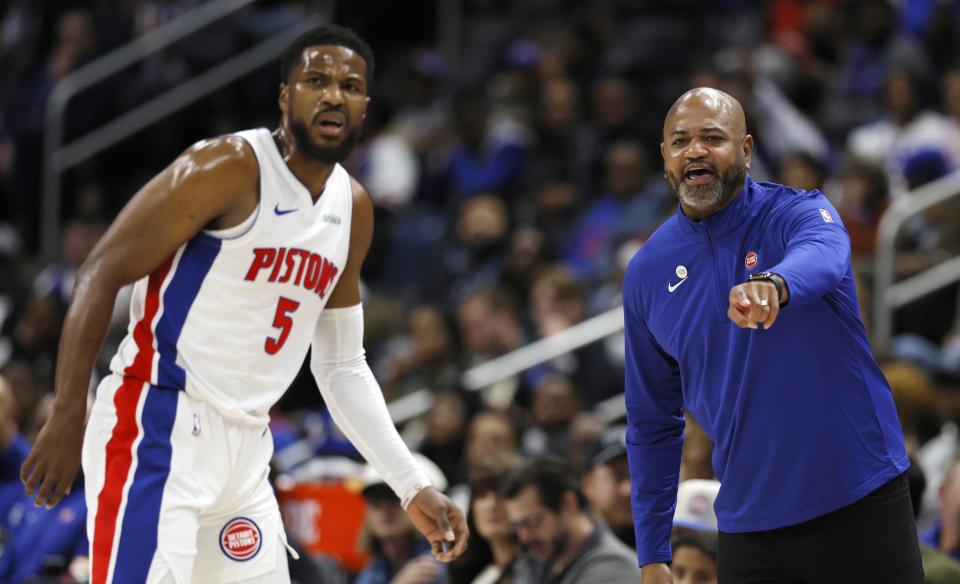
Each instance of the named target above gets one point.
<point>774,279</point>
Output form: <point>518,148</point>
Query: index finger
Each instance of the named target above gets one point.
<point>458,528</point>
<point>738,296</point>
<point>462,532</point>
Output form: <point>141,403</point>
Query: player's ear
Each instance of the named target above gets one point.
<point>283,97</point>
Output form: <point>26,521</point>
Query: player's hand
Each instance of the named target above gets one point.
<point>753,304</point>
<point>54,460</point>
<point>441,522</point>
<point>656,574</point>
<point>419,570</point>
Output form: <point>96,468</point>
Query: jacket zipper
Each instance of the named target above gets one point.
<point>716,278</point>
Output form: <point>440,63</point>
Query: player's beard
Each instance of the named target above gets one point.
<point>713,195</point>
<point>321,152</point>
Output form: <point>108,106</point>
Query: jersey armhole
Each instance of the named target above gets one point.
<point>236,231</point>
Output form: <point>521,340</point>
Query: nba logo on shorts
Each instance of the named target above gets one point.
<point>240,539</point>
<point>751,260</point>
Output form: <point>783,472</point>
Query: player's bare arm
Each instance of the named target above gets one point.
<point>212,184</point>
<point>432,512</point>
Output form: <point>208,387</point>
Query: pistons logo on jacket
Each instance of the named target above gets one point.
<point>304,268</point>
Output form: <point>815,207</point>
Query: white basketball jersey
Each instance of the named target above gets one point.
<point>229,320</point>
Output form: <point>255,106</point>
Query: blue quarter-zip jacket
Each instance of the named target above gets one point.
<point>801,417</point>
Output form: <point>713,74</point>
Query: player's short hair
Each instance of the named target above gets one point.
<point>328,34</point>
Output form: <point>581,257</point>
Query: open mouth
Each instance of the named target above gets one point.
<point>331,123</point>
<point>699,174</point>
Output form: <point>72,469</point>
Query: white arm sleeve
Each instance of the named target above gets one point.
<point>356,401</point>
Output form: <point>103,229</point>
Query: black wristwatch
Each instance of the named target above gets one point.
<point>776,280</point>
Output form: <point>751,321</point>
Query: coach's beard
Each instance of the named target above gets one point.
<point>713,195</point>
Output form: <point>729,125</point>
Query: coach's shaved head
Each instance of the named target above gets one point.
<point>725,105</point>
<point>706,150</point>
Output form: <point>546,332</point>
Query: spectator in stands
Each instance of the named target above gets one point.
<point>695,558</point>
<point>606,484</point>
<point>528,255</point>
<point>907,128</point>
<point>489,432</point>
<point>694,535</point>
<point>28,385</point>
<point>915,399</point>
<point>557,302</point>
<point>443,440</point>
<point>399,554</point>
<point>36,541</point>
<point>488,322</point>
<point>561,542</point>
<point>870,48</point>
<point>555,402</point>
<point>945,533</point>
<point>589,248</point>
<point>802,170</point>
<point>22,131</point>
<point>556,210</point>
<point>490,151</point>
<point>614,116</point>
<point>563,149</point>
<point>938,567</point>
<point>473,257</point>
<point>492,551</point>
<point>863,198</point>
<point>426,357</point>
<point>695,458</point>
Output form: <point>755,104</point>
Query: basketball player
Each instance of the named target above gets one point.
<point>246,251</point>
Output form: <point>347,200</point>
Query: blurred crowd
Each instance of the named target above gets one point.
<point>513,178</point>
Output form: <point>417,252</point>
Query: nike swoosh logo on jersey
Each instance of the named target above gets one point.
<point>280,211</point>
<point>672,287</point>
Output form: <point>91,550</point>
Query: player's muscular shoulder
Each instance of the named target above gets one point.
<point>223,170</point>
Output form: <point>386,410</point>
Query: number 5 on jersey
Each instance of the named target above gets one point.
<point>282,321</point>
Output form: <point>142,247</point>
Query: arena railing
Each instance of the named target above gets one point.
<point>517,361</point>
<point>59,157</point>
<point>888,295</point>
<point>417,403</point>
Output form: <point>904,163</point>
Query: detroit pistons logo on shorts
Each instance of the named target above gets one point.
<point>751,260</point>
<point>240,539</point>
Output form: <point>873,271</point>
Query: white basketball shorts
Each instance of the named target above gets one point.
<point>176,493</point>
